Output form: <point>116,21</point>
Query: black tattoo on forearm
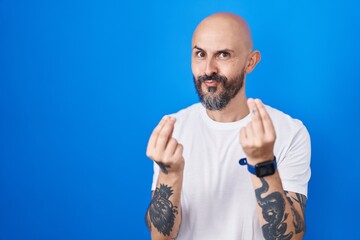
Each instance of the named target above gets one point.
<point>147,221</point>
<point>162,211</point>
<point>273,211</point>
<point>298,221</point>
<point>163,167</point>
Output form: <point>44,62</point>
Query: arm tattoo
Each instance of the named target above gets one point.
<point>298,222</point>
<point>161,210</point>
<point>273,211</point>
<point>147,221</point>
<point>163,167</point>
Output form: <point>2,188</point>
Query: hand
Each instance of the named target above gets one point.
<point>258,137</point>
<point>164,149</point>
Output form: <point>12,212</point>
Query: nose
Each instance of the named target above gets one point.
<point>211,67</point>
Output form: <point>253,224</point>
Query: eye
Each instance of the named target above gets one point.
<point>200,54</point>
<point>224,55</point>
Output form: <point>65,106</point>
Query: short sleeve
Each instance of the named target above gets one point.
<point>294,169</point>
<point>155,177</point>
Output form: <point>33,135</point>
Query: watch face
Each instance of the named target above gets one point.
<point>265,169</point>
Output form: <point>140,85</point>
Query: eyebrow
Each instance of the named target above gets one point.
<point>196,47</point>
<point>222,50</point>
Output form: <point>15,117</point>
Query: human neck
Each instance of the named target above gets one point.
<point>236,110</point>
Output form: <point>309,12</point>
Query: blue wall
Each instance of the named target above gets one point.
<point>82,84</point>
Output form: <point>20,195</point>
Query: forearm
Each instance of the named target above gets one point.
<point>164,212</point>
<point>279,215</point>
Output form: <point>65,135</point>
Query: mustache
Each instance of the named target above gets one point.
<point>213,77</point>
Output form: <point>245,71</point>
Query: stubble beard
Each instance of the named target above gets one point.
<point>217,98</point>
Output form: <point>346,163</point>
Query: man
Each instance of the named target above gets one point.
<point>199,189</point>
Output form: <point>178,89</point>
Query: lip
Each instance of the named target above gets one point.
<point>211,83</point>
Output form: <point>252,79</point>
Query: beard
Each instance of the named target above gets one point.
<point>217,98</point>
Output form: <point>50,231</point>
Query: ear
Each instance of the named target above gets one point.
<point>253,60</point>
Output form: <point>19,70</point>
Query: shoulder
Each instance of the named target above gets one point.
<point>188,112</point>
<point>290,131</point>
<point>187,120</point>
<point>284,122</point>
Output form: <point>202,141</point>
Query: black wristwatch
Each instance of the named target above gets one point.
<point>263,169</point>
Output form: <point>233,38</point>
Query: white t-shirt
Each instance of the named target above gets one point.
<point>218,199</point>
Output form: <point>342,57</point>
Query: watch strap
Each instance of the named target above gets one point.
<point>251,168</point>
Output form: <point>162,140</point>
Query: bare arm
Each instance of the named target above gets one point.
<point>163,216</point>
<point>281,214</point>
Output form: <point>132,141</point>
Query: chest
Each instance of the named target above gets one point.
<point>212,170</point>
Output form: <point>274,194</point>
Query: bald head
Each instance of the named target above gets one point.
<point>222,29</point>
<point>222,55</point>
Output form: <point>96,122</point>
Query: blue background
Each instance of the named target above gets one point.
<point>83,83</point>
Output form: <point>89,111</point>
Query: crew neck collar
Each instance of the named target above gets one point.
<point>223,125</point>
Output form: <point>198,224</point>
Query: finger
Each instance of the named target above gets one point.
<point>266,120</point>
<point>249,132</point>
<point>170,148</point>
<point>179,151</point>
<point>256,118</point>
<point>252,108</point>
<point>155,133</point>
<point>243,137</point>
<point>165,135</point>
